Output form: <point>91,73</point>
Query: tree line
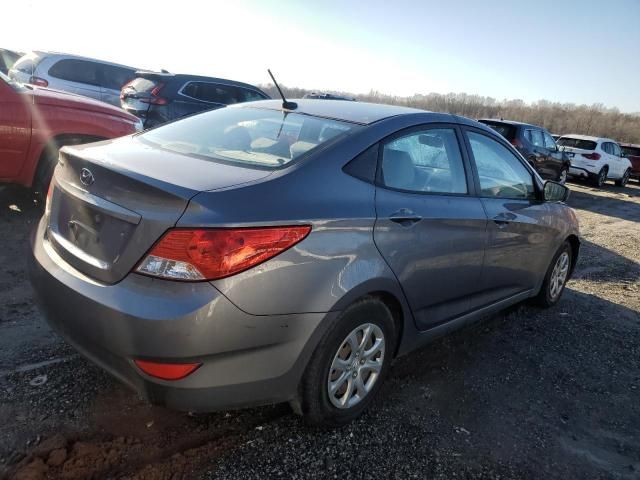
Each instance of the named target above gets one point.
<point>558,118</point>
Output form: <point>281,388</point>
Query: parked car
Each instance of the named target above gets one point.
<point>536,145</point>
<point>35,122</point>
<point>328,96</point>
<point>223,265</point>
<point>632,153</point>
<point>158,97</point>
<point>7,59</point>
<point>555,136</point>
<point>84,76</point>
<point>596,159</point>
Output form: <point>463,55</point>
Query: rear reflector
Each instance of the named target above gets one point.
<point>209,254</point>
<point>591,156</point>
<point>167,371</point>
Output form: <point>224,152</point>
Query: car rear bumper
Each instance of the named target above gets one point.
<point>246,359</point>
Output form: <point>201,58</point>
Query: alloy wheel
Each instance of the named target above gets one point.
<point>602,177</point>
<point>356,366</point>
<point>563,176</point>
<point>559,275</point>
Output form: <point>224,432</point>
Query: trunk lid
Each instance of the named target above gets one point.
<point>111,201</point>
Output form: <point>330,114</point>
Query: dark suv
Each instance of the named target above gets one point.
<point>157,98</point>
<point>536,145</point>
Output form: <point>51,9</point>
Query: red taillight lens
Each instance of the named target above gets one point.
<point>516,143</point>
<point>40,82</point>
<point>167,371</point>
<point>208,254</point>
<point>155,99</point>
<point>591,156</point>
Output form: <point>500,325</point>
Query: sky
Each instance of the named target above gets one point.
<point>581,52</point>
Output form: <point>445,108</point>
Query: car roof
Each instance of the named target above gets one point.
<point>45,54</point>
<point>588,137</point>
<point>194,78</point>
<point>353,112</point>
<point>511,122</point>
<point>633,145</point>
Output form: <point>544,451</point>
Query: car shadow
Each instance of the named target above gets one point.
<point>619,206</point>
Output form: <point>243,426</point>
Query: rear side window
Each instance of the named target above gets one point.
<point>247,95</point>
<point>534,136</point>
<point>114,77</point>
<point>616,149</point>
<point>606,147</point>
<point>251,136</point>
<point>500,172</point>
<point>426,161</point>
<point>577,143</point>
<point>73,70</point>
<point>504,129</point>
<point>212,93</point>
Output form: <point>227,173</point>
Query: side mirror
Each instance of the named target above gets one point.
<point>555,192</point>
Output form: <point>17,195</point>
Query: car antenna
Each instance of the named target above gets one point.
<point>285,103</point>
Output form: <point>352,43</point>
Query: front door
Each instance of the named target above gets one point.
<point>519,236</point>
<point>430,229</point>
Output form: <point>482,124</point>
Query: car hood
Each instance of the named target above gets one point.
<point>47,96</point>
<point>153,165</point>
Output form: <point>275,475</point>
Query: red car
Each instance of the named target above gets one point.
<point>35,122</point>
<point>632,152</point>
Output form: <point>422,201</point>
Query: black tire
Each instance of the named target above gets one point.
<point>598,180</point>
<point>625,179</point>
<point>313,400</point>
<point>545,298</point>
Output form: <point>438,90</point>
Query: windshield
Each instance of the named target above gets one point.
<point>266,138</point>
<point>576,143</point>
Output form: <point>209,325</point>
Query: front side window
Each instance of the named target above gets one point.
<point>247,95</point>
<point>72,70</point>
<point>252,136</point>
<point>534,137</point>
<point>549,142</point>
<point>501,173</point>
<point>424,161</point>
<point>631,151</point>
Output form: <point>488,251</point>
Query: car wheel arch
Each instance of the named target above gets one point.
<point>574,241</point>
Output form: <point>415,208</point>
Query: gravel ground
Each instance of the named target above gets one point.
<point>527,393</point>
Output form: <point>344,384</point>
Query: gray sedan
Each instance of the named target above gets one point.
<point>256,254</point>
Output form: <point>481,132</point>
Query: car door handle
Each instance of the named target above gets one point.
<point>405,217</point>
<point>504,219</point>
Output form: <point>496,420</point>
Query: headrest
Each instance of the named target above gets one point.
<point>398,169</point>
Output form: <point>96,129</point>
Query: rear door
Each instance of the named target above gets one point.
<point>430,227</point>
<point>75,76</point>
<point>555,160</point>
<point>537,151</point>
<point>519,241</point>
<point>621,163</point>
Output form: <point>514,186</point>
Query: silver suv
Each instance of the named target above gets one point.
<point>71,73</point>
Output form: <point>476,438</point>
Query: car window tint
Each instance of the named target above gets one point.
<point>535,137</point>
<point>605,147</point>
<point>424,161</point>
<point>549,142</point>
<point>212,92</point>
<point>631,151</point>
<point>114,77</point>
<point>501,173</point>
<point>73,70</point>
<point>616,149</point>
<point>247,95</point>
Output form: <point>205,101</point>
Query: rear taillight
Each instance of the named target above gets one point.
<point>209,254</point>
<point>40,82</point>
<point>591,156</point>
<point>155,99</point>
<point>516,143</point>
<point>167,371</point>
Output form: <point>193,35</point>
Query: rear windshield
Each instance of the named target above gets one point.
<point>576,143</point>
<point>631,151</point>
<point>142,84</point>
<point>27,64</point>
<point>253,136</point>
<point>504,129</point>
